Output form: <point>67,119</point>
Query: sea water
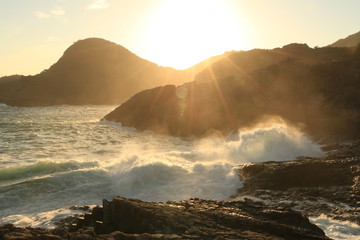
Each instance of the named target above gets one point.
<point>52,158</point>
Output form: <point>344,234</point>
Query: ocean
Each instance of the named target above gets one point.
<point>53,158</point>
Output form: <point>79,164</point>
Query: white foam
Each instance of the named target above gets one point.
<point>336,229</point>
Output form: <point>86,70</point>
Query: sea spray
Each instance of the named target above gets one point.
<point>277,142</point>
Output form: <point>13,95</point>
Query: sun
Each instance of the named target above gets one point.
<point>181,33</point>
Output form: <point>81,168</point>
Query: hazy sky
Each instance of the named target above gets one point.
<point>177,33</point>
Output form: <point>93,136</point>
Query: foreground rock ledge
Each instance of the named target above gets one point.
<point>124,218</point>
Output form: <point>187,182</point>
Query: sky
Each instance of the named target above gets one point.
<point>176,33</point>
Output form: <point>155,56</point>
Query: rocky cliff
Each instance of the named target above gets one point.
<point>319,98</point>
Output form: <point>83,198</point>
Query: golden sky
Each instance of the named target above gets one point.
<point>176,33</point>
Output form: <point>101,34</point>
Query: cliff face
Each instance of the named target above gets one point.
<point>91,71</point>
<point>319,98</point>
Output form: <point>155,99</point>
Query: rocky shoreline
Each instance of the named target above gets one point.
<point>328,186</point>
<point>275,202</point>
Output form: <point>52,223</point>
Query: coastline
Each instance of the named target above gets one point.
<point>272,191</point>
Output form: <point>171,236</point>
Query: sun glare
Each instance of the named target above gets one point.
<point>181,33</point>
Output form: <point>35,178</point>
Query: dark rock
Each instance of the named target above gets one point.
<point>97,213</point>
<point>298,173</point>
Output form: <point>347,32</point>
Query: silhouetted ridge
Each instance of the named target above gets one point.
<point>91,71</point>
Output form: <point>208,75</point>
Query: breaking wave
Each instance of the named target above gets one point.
<point>205,168</point>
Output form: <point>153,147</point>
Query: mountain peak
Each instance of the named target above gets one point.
<point>91,44</point>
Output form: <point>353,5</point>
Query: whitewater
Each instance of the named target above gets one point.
<point>52,158</point>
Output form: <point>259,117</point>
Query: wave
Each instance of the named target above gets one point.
<point>41,168</point>
<point>160,182</point>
